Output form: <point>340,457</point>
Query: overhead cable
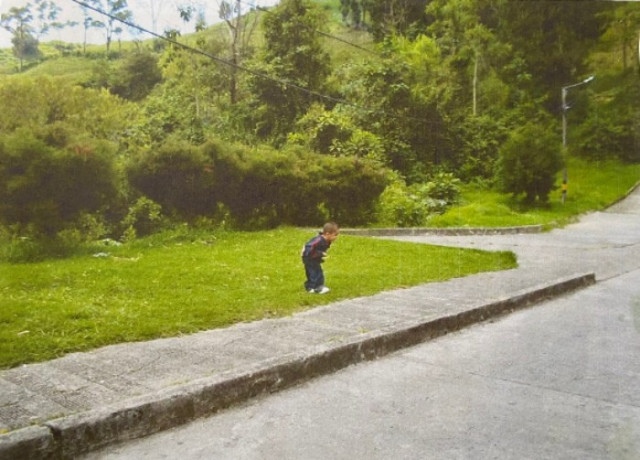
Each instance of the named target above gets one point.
<point>246,69</point>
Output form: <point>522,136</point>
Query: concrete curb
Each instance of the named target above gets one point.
<point>70,436</point>
<point>450,231</point>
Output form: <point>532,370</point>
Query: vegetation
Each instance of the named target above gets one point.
<point>266,119</point>
<point>593,185</point>
<point>369,112</point>
<point>184,281</point>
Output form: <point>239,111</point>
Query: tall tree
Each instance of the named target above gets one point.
<point>389,17</point>
<point>467,43</point>
<point>117,11</point>
<point>553,38</point>
<point>88,21</point>
<point>27,24</point>
<point>293,56</point>
<point>241,27</point>
<point>623,29</point>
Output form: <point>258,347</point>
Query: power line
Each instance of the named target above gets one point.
<point>246,69</point>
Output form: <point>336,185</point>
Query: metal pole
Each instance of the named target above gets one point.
<point>565,175</point>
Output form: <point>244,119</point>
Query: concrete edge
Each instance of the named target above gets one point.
<point>443,231</point>
<point>73,435</point>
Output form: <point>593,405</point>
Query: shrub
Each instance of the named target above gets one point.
<point>410,206</point>
<point>528,163</point>
<point>265,187</point>
<point>48,188</point>
<point>480,138</point>
<point>613,133</point>
<point>179,177</point>
<point>144,218</point>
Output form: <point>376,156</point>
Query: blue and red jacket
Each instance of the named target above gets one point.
<point>314,248</point>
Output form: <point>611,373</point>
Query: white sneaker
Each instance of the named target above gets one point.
<point>323,290</point>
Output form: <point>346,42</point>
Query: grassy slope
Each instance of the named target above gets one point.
<point>164,286</point>
<point>592,186</point>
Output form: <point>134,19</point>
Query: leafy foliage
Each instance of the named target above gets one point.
<point>179,177</point>
<point>528,162</point>
<point>44,187</point>
<point>411,206</point>
<point>267,187</point>
<point>441,90</point>
<point>137,76</point>
<point>293,55</point>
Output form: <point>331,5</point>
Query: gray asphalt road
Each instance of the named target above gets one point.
<point>560,380</point>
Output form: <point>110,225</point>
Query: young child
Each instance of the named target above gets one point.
<point>314,253</point>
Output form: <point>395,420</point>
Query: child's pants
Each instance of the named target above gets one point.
<point>315,275</point>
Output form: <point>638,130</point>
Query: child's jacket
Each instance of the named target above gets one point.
<point>315,247</point>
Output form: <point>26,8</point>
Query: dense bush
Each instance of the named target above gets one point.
<point>529,161</point>
<point>39,103</point>
<point>179,177</point>
<point>144,218</point>
<point>46,187</point>
<point>137,76</point>
<point>411,206</point>
<point>258,186</point>
<point>480,138</point>
<point>613,129</point>
<point>263,186</point>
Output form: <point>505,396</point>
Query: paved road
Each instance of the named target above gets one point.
<point>560,380</point>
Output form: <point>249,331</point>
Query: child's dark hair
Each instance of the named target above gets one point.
<point>330,227</point>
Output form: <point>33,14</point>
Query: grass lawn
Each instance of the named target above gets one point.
<point>592,186</point>
<point>181,282</point>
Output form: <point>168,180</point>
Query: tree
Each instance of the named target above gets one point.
<point>294,59</point>
<point>352,10</point>
<point>529,161</point>
<point>558,38</point>
<point>118,11</point>
<point>46,103</point>
<point>241,27</point>
<point>88,21</point>
<point>137,76</point>
<point>390,17</point>
<point>194,86</point>
<point>623,29</point>
<point>27,24</point>
<point>466,43</point>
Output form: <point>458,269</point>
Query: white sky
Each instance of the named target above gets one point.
<point>169,18</point>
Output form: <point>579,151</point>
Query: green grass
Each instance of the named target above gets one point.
<point>184,282</point>
<point>592,186</point>
<point>73,68</point>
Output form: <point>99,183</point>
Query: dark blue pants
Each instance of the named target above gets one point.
<point>315,275</point>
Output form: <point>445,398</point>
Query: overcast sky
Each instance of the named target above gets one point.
<point>168,18</point>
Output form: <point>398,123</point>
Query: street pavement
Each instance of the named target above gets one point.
<point>84,401</point>
<point>558,381</point>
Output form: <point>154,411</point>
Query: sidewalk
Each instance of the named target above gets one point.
<point>74,404</point>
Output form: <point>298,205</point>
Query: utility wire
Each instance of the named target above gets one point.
<point>246,69</point>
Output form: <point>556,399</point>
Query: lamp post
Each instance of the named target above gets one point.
<point>565,107</point>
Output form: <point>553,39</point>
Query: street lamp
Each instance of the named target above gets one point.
<point>565,107</point>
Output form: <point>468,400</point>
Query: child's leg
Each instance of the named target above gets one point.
<point>315,275</point>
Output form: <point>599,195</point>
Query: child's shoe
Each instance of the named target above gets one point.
<point>323,290</point>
